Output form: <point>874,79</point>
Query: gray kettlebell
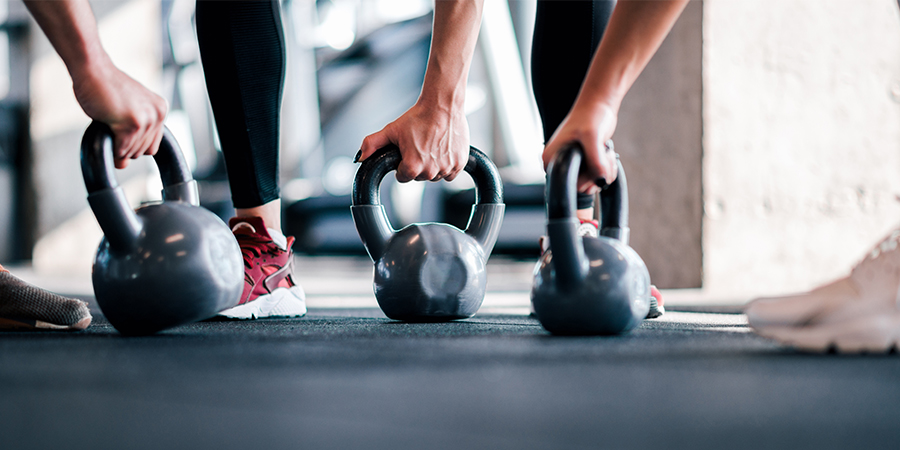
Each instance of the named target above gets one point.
<point>167,263</point>
<point>428,272</point>
<point>587,285</point>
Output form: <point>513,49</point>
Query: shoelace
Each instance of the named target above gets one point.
<point>588,228</point>
<point>253,246</point>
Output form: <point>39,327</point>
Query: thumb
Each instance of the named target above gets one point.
<point>548,154</point>
<point>372,143</point>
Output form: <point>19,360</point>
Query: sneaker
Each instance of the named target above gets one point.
<point>656,303</point>
<point>588,228</point>
<point>855,314</point>
<point>591,228</point>
<point>27,307</point>
<point>269,287</point>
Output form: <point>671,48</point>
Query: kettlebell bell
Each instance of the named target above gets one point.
<point>428,272</point>
<point>167,263</point>
<point>587,285</point>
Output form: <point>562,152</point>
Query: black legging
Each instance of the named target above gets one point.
<point>566,34</point>
<point>243,54</point>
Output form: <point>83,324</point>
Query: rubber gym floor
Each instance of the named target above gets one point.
<point>346,377</point>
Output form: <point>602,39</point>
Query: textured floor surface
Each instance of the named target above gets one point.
<point>350,378</point>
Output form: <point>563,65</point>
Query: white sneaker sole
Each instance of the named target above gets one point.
<point>864,335</point>
<point>281,303</point>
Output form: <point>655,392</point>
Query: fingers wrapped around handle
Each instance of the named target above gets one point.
<point>367,184</point>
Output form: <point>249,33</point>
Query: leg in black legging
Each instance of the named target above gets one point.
<point>243,54</point>
<point>566,35</point>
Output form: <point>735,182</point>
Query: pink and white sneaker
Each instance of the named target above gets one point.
<point>855,314</point>
<point>269,287</point>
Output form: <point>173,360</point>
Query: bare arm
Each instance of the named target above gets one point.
<point>433,135</point>
<point>636,30</point>
<point>105,93</point>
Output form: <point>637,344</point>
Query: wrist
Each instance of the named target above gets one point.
<point>596,112</point>
<point>444,103</point>
<point>596,99</point>
<point>91,66</point>
<point>444,86</point>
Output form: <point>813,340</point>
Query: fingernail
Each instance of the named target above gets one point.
<point>358,155</point>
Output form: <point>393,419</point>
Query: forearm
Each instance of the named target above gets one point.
<point>636,30</point>
<point>72,30</point>
<point>433,135</point>
<point>456,25</point>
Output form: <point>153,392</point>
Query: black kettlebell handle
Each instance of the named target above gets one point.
<point>99,170</point>
<point>562,181</point>
<point>120,224</point>
<point>367,184</point>
<point>375,228</point>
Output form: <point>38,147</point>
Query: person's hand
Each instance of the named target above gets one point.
<point>433,142</point>
<point>590,127</point>
<point>104,92</point>
<point>134,113</point>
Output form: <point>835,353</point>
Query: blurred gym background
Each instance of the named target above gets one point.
<point>762,143</point>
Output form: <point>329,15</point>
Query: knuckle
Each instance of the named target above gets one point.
<point>406,173</point>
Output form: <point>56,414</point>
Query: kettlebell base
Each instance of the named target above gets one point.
<point>417,310</point>
<point>612,299</point>
<point>427,310</point>
<point>189,268</point>
<point>573,331</point>
<point>424,318</point>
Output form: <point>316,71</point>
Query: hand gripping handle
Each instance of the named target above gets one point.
<point>372,221</point>
<point>107,199</point>
<point>568,252</point>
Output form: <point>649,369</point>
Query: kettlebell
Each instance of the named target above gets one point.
<point>587,285</point>
<point>167,263</point>
<point>428,272</point>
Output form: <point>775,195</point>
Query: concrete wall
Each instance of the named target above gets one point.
<point>659,140</point>
<point>801,111</point>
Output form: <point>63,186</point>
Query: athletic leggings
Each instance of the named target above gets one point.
<point>243,54</point>
<point>566,34</point>
<point>242,50</point>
